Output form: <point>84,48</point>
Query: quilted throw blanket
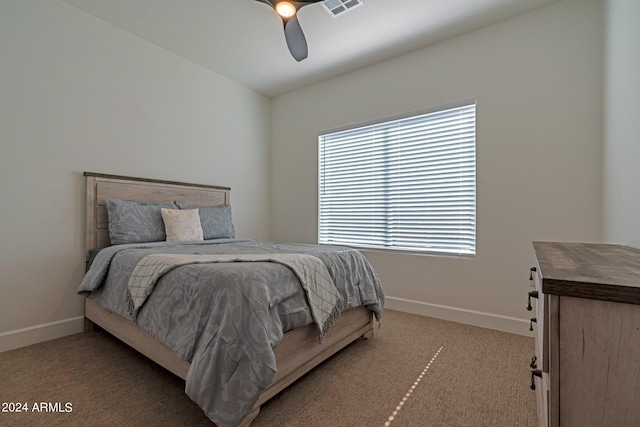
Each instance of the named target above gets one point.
<point>313,275</point>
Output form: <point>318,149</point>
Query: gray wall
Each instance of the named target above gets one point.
<point>80,95</point>
<point>621,148</point>
<point>537,80</point>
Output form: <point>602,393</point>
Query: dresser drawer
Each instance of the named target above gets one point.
<point>541,326</point>
<point>538,302</point>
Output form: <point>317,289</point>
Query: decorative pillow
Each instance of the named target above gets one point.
<point>136,222</point>
<point>216,220</point>
<point>182,225</point>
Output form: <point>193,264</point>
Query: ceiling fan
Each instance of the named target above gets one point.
<point>288,11</point>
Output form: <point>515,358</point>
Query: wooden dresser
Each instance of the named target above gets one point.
<point>586,314</point>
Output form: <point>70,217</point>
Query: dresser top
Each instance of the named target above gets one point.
<point>588,270</point>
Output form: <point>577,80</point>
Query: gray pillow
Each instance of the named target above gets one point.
<point>136,222</point>
<point>216,220</point>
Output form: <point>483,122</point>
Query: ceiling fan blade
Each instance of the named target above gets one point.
<point>293,34</point>
<point>295,38</point>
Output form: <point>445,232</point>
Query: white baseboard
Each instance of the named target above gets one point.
<point>39,333</point>
<point>460,315</point>
<point>48,331</point>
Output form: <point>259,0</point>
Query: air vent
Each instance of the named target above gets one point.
<point>338,7</point>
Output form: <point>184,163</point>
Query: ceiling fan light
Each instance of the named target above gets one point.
<point>285,9</point>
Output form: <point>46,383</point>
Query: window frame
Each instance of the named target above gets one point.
<point>427,250</point>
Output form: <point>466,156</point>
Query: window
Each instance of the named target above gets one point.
<point>405,184</point>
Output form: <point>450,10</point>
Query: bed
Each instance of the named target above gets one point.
<point>302,342</point>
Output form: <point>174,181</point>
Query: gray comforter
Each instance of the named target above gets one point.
<point>226,318</point>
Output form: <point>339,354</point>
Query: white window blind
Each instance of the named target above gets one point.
<point>406,184</point>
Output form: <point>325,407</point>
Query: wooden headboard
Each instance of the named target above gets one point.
<point>100,187</point>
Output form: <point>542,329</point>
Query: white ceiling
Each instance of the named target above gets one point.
<point>244,40</point>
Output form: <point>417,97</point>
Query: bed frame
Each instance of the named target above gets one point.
<point>296,354</point>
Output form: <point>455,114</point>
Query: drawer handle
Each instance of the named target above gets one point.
<point>534,362</point>
<point>533,294</point>
<point>531,271</point>
<point>535,373</point>
<point>533,319</point>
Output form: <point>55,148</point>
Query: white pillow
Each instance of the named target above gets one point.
<point>182,225</point>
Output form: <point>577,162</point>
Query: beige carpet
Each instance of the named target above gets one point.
<point>416,371</point>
